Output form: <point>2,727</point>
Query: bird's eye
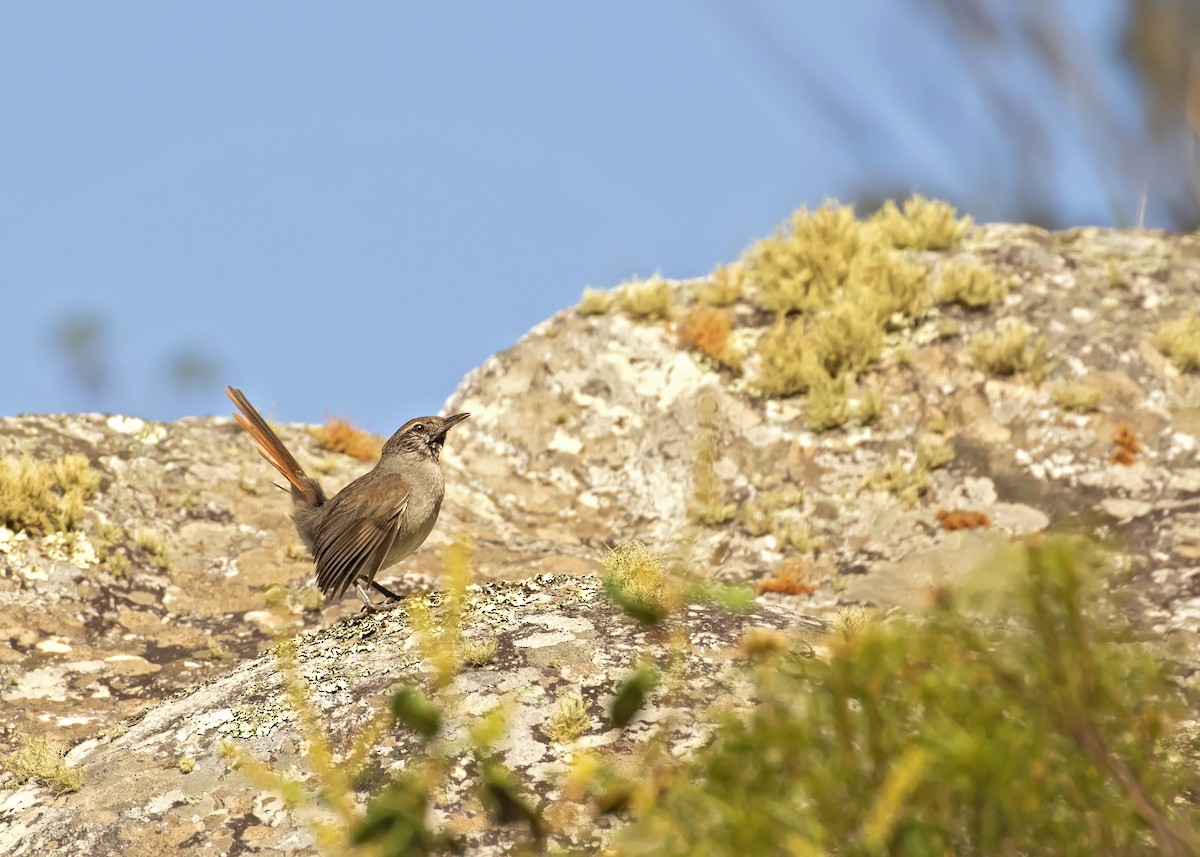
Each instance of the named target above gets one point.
<point>419,427</point>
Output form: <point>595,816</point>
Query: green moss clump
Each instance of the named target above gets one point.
<point>924,224</point>
<point>596,302</point>
<point>969,284</point>
<point>1179,341</point>
<point>569,720</point>
<point>845,339</point>
<point>477,651</point>
<point>885,284</point>
<point>155,547</point>
<point>645,299</point>
<point>1010,349</point>
<point>724,287</point>
<point>45,497</point>
<point>1079,396</point>
<point>804,265</point>
<point>908,736</point>
<point>785,362</point>
<point>906,482</point>
<point>827,405</point>
<point>45,761</point>
<point>638,573</point>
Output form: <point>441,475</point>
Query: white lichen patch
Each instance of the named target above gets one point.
<point>73,547</point>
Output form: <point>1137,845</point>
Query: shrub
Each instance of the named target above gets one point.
<point>909,736</point>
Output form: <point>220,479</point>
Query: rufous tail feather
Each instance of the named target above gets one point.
<point>271,447</point>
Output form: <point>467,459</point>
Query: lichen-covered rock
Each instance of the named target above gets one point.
<point>586,433</point>
<point>164,786</point>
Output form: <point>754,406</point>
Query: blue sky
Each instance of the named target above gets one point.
<point>347,207</point>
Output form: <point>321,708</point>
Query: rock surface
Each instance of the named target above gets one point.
<point>585,433</point>
<point>555,635</point>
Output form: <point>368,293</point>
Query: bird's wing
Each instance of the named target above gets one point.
<point>356,537</point>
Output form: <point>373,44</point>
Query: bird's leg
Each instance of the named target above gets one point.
<point>368,606</point>
<point>383,590</point>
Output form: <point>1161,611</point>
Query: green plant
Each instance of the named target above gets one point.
<point>45,761</point>
<point>969,284</point>
<point>906,482</point>
<point>1009,349</point>
<point>596,302</point>
<point>45,496</point>
<point>636,578</point>
<point>785,363</point>
<point>924,224</point>
<point>827,405</point>
<point>1076,395</point>
<point>569,720</point>
<point>804,265</point>
<point>154,547</point>
<point>845,339</point>
<point>908,736</point>
<point>645,299</point>
<point>724,286</point>
<point>1179,340</point>
<point>884,284</point>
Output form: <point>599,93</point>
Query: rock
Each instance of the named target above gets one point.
<point>555,635</point>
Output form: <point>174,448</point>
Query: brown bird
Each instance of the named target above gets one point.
<point>375,521</point>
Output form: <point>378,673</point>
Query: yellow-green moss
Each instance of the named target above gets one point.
<point>924,224</point>
<point>638,572</point>
<point>154,547</point>
<point>806,263</point>
<point>1179,341</point>
<point>645,299</point>
<point>45,761</point>
<point>45,497</point>
<point>906,482</point>
<point>569,720</point>
<point>596,302</point>
<point>846,339</point>
<point>1009,349</point>
<point>827,405</point>
<point>724,286</point>
<point>884,284</point>
<point>1077,395</point>
<point>783,368</point>
<point>186,764</point>
<point>969,284</point>
<point>477,651</point>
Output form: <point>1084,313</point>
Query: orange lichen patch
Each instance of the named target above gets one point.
<point>341,435</point>
<point>1127,445</point>
<point>962,519</point>
<point>708,329</point>
<point>788,580</point>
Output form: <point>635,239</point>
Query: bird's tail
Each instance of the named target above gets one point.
<point>304,488</point>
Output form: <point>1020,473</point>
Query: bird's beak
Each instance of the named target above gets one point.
<point>451,422</point>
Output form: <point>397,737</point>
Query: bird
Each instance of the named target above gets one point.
<point>375,521</point>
